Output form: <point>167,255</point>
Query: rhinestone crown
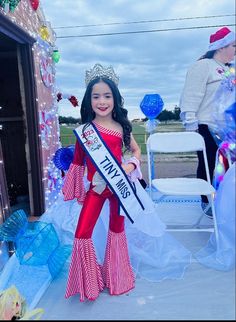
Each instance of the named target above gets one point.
<point>99,71</point>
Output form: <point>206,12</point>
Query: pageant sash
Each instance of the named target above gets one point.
<point>110,170</point>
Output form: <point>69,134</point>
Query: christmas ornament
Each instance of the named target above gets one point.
<point>34,4</point>
<point>151,106</point>
<point>71,98</point>
<point>44,33</point>
<point>56,56</point>
<point>9,5</point>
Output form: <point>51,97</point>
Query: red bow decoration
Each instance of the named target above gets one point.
<point>73,101</point>
<point>71,98</point>
<point>34,4</point>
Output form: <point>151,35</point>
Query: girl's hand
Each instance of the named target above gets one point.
<point>128,167</point>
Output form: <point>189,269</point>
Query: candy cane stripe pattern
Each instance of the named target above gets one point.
<point>46,71</point>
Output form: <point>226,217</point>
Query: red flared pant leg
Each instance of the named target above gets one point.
<point>117,271</point>
<point>85,273</point>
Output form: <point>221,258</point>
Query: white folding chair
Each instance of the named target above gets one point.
<point>174,142</point>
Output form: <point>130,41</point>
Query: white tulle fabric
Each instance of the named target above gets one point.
<point>154,254</point>
<point>221,256</point>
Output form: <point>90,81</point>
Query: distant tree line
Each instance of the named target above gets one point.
<point>69,120</point>
<point>170,115</point>
<point>164,116</point>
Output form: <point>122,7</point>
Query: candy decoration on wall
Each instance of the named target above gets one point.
<point>71,98</point>
<point>46,71</point>
<point>54,178</point>
<point>45,123</point>
<point>34,4</point>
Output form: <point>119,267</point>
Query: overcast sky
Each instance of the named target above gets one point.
<point>149,62</point>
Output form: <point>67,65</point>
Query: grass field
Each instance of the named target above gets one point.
<point>139,132</point>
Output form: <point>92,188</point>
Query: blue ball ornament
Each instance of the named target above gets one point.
<point>151,105</point>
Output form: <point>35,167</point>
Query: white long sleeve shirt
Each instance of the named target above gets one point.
<point>197,100</point>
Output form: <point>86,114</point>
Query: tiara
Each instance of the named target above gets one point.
<point>99,71</point>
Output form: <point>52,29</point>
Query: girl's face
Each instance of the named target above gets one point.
<point>102,100</point>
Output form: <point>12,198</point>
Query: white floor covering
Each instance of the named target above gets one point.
<point>202,293</point>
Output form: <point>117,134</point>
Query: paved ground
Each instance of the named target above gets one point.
<point>167,168</point>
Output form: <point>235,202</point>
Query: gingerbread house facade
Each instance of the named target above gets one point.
<point>29,127</point>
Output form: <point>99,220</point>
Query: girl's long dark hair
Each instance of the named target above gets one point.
<point>119,113</point>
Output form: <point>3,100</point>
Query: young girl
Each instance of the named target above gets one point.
<point>102,114</point>
<point>153,253</point>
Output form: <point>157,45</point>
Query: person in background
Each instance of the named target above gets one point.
<point>197,99</point>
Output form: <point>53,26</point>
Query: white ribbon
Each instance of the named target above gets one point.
<point>110,170</point>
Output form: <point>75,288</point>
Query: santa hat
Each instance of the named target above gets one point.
<point>223,37</point>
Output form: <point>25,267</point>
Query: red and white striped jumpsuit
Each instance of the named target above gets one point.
<point>86,276</point>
